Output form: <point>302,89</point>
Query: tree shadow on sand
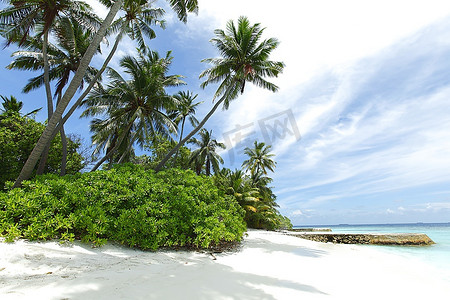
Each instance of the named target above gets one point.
<point>130,274</point>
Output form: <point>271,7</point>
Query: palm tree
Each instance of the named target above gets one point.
<point>22,18</point>
<point>134,108</point>
<point>243,58</point>
<point>239,186</point>
<point>185,110</point>
<point>260,160</point>
<point>12,106</point>
<point>182,7</point>
<point>136,23</point>
<point>72,41</point>
<point>206,154</point>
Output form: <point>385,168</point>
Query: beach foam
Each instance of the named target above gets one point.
<point>268,266</point>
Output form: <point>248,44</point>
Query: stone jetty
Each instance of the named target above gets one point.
<point>418,239</point>
<point>311,229</point>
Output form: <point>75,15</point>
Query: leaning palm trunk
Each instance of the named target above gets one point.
<point>48,92</point>
<point>109,154</point>
<point>122,157</point>
<point>91,84</point>
<point>86,91</point>
<point>181,138</point>
<point>63,145</point>
<point>193,132</point>
<point>64,152</point>
<point>70,92</point>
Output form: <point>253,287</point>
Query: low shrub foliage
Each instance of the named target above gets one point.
<point>126,204</point>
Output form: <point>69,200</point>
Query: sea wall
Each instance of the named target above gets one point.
<point>311,229</point>
<point>367,238</point>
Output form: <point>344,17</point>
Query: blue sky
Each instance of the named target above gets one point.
<point>363,112</point>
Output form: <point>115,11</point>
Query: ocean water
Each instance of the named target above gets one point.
<point>437,254</point>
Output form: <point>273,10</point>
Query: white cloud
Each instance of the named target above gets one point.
<point>372,119</point>
<point>297,212</point>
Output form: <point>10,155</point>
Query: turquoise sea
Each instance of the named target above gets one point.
<point>437,254</point>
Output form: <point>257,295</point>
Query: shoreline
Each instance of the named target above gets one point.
<point>268,265</point>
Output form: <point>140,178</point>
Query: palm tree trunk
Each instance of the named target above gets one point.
<point>208,167</point>
<point>44,157</point>
<point>63,145</point>
<point>181,137</point>
<point>64,152</point>
<point>196,129</point>
<point>70,92</point>
<point>94,80</point>
<point>48,92</point>
<point>122,157</point>
<point>116,146</point>
<point>88,89</point>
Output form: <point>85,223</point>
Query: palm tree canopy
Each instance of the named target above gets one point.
<point>23,18</point>
<point>72,41</point>
<point>259,159</point>
<point>244,57</point>
<point>183,7</point>
<point>139,16</point>
<point>206,153</point>
<point>137,105</point>
<point>186,108</point>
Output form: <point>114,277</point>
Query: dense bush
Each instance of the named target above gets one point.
<point>127,204</point>
<point>18,135</point>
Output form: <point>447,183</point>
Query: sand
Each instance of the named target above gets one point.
<point>267,266</point>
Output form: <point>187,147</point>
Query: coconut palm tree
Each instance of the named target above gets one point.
<point>185,110</point>
<point>240,187</point>
<point>182,7</point>
<point>136,23</point>
<point>135,108</point>
<point>23,18</point>
<point>206,154</point>
<point>72,41</point>
<point>260,160</point>
<point>244,58</point>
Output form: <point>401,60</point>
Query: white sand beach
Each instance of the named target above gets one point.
<point>268,266</point>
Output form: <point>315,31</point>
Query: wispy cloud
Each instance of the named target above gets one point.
<point>374,121</point>
<point>370,98</point>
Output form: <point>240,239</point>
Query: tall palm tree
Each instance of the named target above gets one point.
<point>244,57</point>
<point>23,18</point>
<point>182,7</point>
<point>185,110</point>
<point>260,159</point>
<point>72,41</point>
<point>206,154</point>
<point>139,16</point>
<point>135,108</point>
<point>136,23</point>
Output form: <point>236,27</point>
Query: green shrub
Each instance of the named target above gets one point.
<point>127,204</point>
<point>18,135</point>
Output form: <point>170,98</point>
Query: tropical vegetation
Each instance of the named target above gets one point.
<point>19,133</point>
<point>177,193</point>
<point>126,204</point>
